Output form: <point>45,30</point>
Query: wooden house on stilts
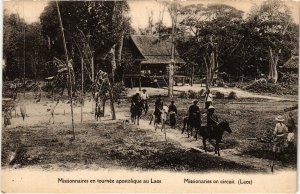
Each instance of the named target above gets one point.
<point>150,58</point>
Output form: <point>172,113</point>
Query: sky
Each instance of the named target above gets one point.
<point>139,10</point>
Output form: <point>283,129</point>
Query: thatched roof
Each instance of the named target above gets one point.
<point>292,63</point>
<point>155,50</point>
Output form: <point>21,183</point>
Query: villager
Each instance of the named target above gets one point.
<point>280,132</point>
<point>145,97</point>
<point>173,114</point>
<point>195,116</point>
<point>158,108</point>
<point>208,99</point>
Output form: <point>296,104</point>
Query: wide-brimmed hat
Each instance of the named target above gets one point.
<point>195,101</point>
<point>279,118</point>
<point>211,107</point>
<point>144,90</point>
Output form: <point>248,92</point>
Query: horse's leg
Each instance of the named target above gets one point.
<point>184,125</point>
<point>138,120</point>
<point>204,143</point>
<point>196,132</point>
<point>151,120</point>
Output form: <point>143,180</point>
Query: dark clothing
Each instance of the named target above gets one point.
<point>173,108</point>
<point>212,120</point>
<point>135,99</point>
<point>195,116</point>
<point>290,124</point>
<point>159,104</point>
<point>157,111</point>
<point>173,113</point>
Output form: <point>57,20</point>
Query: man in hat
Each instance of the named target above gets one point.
<point>194,116</point>
<point>280,131</point>
<point>145,97</point>
<point>212,120</point>
<point>173,114</point>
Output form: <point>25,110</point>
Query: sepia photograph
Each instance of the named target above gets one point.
<point>149,96</point>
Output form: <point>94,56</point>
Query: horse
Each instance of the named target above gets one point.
<point>216,133</point>
<point>188,126</point>
<point>136,112</point>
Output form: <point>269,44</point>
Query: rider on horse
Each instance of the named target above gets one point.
<point>212,120</point>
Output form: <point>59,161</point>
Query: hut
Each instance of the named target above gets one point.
<point>150,58</point>
<point>291,66</point>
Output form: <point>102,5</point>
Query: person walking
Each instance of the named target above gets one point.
<point>279,133</point>
<point>194,116</point>
<point>172,114</point>
<point>158,109</point>
<point>208,99</point>
<point>145,97</point>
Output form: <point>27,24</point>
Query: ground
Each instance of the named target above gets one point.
<point>106,144</point>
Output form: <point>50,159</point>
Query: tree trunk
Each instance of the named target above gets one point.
<point>112,107</point>
<point>113,62</point>
<point>273,60</point>
<point>119,51</point>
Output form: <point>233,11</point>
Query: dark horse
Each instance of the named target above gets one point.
<point>188,126</point>
<point>216,133</point>
<point>136,112</point>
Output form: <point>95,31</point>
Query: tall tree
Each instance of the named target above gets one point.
<point>272,24</point>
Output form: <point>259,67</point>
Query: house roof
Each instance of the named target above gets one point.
<point>292,63</point>
<point>155,50</point>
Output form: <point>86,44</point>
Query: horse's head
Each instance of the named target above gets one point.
<point>225,126</point>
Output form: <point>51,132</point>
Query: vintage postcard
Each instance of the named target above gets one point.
<point>150,96</point>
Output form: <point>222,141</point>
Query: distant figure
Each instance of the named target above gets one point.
<point>39,93</point>
<point>173,114</point>
<point>145,97</point>
<point>280,131</point>
<point>157,109</point>
<point>208,99</point>
<point>194,116</point>
<point>212,120</point>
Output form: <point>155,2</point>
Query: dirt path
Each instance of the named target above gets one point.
<point>197,87</point>
<point>228,154</point>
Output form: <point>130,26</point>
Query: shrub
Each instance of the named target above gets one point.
<point>192,94</point>
<point>219,95</point>
<point>183,95</point>
<point>232,95</point>
<point>201,93</point>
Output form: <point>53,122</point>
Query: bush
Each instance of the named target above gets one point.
<point>201,93</point>
<point>232,95</point>
<point>192,94</point>
<point>219,95</point>
<point>183,95</point>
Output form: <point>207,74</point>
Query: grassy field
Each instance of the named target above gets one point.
<point>105,144</point>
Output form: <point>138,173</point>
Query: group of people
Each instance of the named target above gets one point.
<point>194,113</point>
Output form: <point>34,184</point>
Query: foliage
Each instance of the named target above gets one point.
<point>232,95</point>
<point>183,95</point>
<point>219,95</point>
<point>99,24</point>
<point>16,35</point>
